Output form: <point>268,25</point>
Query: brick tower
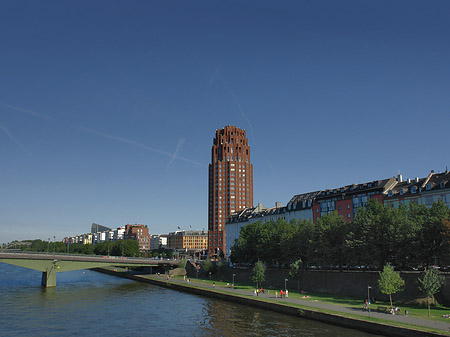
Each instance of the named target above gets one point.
<point>230,183</point>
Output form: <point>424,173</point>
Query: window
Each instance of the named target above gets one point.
<point>414,189</point>
<point>348,206</point>
<point>428,187</point>
<point>349,215</point>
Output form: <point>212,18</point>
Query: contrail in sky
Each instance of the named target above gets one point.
<point>213,77</point>
<point>179,145</point>
<point>142,146</point>
<point>173,156</point>
<point>10,136</point>
<point>28,111</point>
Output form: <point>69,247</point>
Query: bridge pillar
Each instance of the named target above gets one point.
<point>49,278</point>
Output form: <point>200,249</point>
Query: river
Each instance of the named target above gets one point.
<point>86,303</point>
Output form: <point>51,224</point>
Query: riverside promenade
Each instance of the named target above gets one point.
<point>306,308</point>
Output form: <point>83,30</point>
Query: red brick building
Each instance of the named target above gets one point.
<point>230,183</point>
<point>347,199</point>
<point>139,233</point>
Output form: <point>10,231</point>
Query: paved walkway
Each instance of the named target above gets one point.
<point>316,304</point>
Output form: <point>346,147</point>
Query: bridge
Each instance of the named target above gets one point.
<point>50,264</point>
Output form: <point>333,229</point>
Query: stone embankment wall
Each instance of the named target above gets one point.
<point>346,283</point>
<point>377,328</point>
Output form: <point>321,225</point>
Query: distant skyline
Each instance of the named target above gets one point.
<point>108,109</point>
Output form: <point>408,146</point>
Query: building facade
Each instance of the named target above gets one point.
<point>140,234</point>
<point>158,242</point>
<point>422,191</point>
<point>346,200</point>
<point>230,183</point>
<point>188,243</point>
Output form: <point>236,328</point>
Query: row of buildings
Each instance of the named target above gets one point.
<point>346,201</point>
<point>192,242</point>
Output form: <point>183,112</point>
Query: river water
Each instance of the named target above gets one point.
<point>86,303</point>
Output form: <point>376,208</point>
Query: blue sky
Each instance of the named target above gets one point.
<point>108,109</point>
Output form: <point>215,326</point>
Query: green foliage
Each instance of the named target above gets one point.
<point>182,263</point>
<point>403,236</point>
<point>430,282</point>
<point>390,282</point>
<point>377,233</point>
<point>296,270</point>
<point>222,266</point>
<point>329,239</point>
<point>209,266</point>
<point>275,243</point>
<point>258,273</point>
<point>125,248</point>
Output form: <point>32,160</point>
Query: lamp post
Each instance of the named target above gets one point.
<point>54,245</point>
<point>285,287</point>
<point>197,273</point>
<point>368,298</point>
<point>233,281</point>
<point>48,245</point>
<point>210,276</point>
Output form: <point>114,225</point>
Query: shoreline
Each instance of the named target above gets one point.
<point>280,307</point>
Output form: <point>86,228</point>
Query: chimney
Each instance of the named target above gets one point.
<point>400,178</point>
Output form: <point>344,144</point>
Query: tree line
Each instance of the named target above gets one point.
<point>405,237</point>
<point>114,248</point>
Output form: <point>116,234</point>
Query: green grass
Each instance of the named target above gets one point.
<point>415,311</point>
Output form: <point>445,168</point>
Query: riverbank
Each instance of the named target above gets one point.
<point>378,323</point>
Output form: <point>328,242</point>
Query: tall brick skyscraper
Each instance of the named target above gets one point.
<point>230,183</point>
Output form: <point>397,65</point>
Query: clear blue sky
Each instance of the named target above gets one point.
<point>108,108</point>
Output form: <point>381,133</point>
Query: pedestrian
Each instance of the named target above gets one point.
<point>214,284</point>
<point>287,293</point>
<point>276,294</point>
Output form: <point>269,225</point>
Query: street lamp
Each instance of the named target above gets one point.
<point>210,276</point>
<point>48,245</point>
<point>54,245</point>
<point>233,280</point>
<point>368,298</point>
<point>285,288</point>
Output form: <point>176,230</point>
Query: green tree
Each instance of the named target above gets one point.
<point>296,270</point>
<point>377,234</point>
<point>330,238</point>
<point>258,274</point>
<point>390,282</point>
<point>429,284</point>
<point>182,263</point>
<point>125,248</point>
<point>433,236</point>
<point>300,245</point>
